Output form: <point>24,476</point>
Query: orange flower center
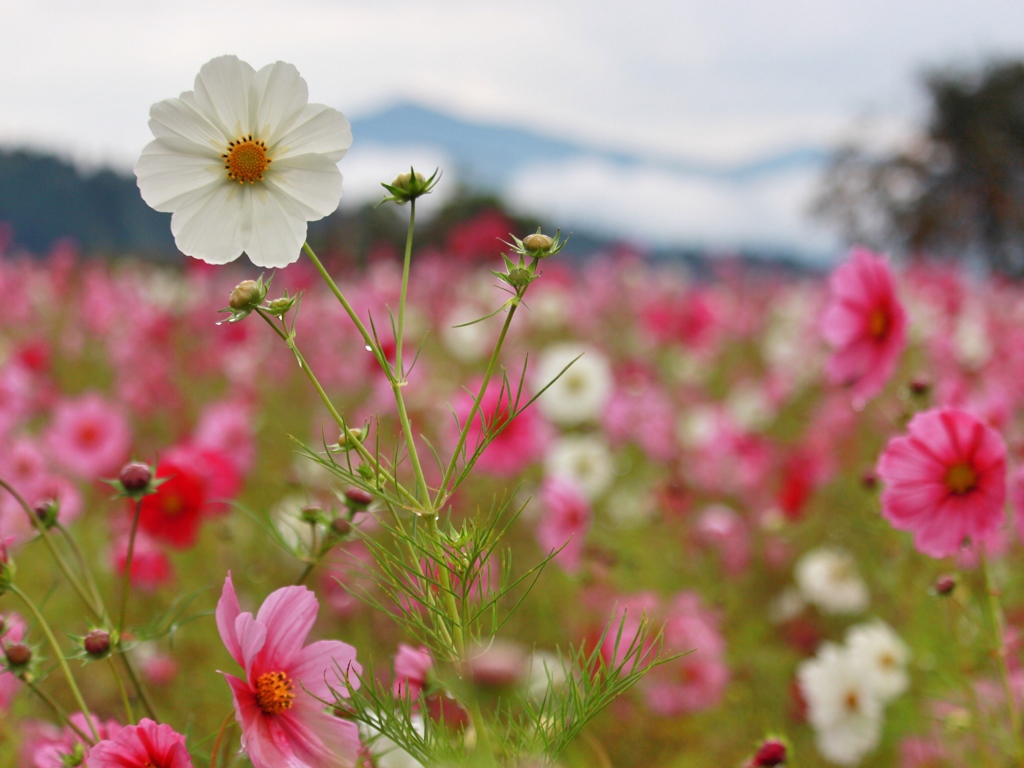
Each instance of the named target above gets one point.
<point>852,701</point>
<point>274,692</point>
<point>878,324</point>
<point>960,478</point>
<point>246,160</point>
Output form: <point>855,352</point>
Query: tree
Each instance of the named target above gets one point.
<point>957,190</point>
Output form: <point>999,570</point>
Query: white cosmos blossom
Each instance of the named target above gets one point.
<point>581,393</point>
<point>842,706</point>
<point>884,655</point>
<point>829,579</point>
<point>243,162</point>
<point>583,460</point>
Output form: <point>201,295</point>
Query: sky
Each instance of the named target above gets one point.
<point>724,81</point>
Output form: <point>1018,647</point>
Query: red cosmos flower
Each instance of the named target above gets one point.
<point>174,512</point>
<point>866,324</point>
<point>945,481</point>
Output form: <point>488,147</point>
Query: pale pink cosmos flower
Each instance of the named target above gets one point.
<point>945,481</point>
<point>283,722</point>
<point>89,436</point>
<point>564,522</point>
<point>866,323</point>
<point>146,745</point>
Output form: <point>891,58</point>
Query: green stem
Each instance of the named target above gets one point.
<point>60,658</point>
<point>457,636</point>
<point>58,710</point>
<point>997,621</point>
<point>442,492</point>
<point>61,562</point>
<point>83,566</point>
<point>137,684</point>
<point>127,580</point>
<point>399,379</point>
<point>367,338</point>
<point>129,713</point>
<point>351,437</point>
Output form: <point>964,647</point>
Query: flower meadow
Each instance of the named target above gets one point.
<point>535,511</point>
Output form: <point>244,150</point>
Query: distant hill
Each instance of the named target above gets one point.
<point>45,199</point>
<point>487,155</point>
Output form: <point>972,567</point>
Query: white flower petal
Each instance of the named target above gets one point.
<point>280,97</point>
<point>177,118</point>
<point>313,181</point>
<point>278,229</point>
<point>223,91</point>
<point>214,228</point>
<point>317,130</point>
<point>168,177</point>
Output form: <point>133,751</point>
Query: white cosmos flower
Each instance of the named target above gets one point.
<point>829,579</point>
<point>884,655</point>
<point>581,393</point>
<point>243,162</point>
<point>841,704</point>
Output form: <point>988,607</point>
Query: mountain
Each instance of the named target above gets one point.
<point>489,155</point>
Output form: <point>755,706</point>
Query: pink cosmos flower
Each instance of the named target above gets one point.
<point>89,436</point>
<point>412,665</point>
<point>697,680</point>
<point>521,442</point>
<point>227,428</point>
<point>565,521</point>
<point>47,746</point>
<point>866,324</point>
<point>12,630</point>
<point>283,723</point>
<point>146,745</point>
<point>945,480</point>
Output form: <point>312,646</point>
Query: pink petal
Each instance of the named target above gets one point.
<point>227,612</point>
<point>288,614</point>
<point>320,664</point>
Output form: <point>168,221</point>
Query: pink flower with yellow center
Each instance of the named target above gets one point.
<point>278,702</point>
<point>865,322</point>
<point>945,481</point>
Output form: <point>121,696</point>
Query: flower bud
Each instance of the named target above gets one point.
<point>920,386</point>
<point>409,186</point>
<point>771,753</point>
<point>18,654</point>
<point>311,515</point>
<point>97,642</point>
<point>47,511</point>
<point>538,242</point>
<point>357,498</point>
<point>944,585</point>
<point>136,476</point>
<point>246,294</point>
<point>341,527</point>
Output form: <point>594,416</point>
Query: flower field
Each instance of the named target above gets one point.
<point>811,485</point>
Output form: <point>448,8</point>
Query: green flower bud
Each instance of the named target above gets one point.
<point>247,294</point>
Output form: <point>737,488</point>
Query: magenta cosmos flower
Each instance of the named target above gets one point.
<point>866,324</point>
<point>945,481</point>
<point>283,723</point>
<point>146,745</point>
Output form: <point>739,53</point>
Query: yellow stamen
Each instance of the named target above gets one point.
<point>878,324</point>
<point>246,160</point>
<point>274,692</point>
<point>960,478</point>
